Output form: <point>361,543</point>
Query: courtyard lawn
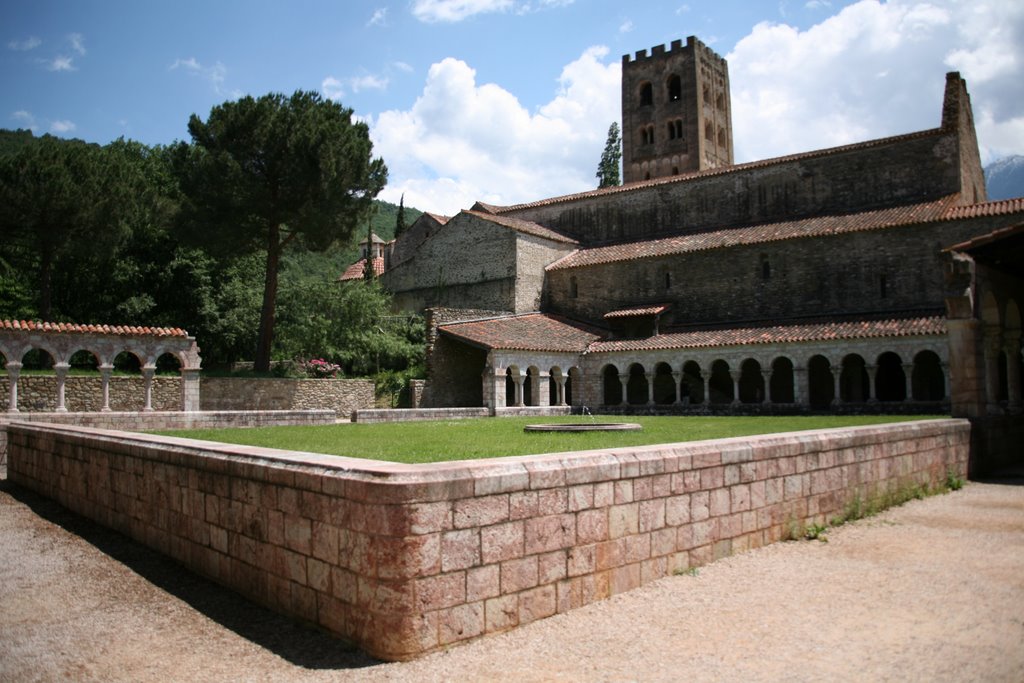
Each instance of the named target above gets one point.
<point>422,442</point>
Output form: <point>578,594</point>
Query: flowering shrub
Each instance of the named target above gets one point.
<point>321,369</point>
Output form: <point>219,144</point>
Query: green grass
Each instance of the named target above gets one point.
<point>420,442</point>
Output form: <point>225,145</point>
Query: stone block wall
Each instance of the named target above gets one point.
<point>406,559</point>
<point>84,393</point>
<point>237,393</point>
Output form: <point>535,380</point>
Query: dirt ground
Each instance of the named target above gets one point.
<point>933,590</point>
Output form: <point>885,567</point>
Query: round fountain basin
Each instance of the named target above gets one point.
<point>586,427</point>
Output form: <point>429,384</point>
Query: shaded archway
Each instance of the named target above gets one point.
<point>636,386</point>
<point>820,383</point>
<point>664,385</point>
<point>782,381</point>
<point>692,385</point>
<point>612,387</point>
<point>531,387</point>
<point>751,382</point>
<point>554,376</point>
<point>510,385</point>
<point>890,380</point>
<point>720,383</point>
<point>854,385</point>
<point>928,381</point>
<point>572,381</point>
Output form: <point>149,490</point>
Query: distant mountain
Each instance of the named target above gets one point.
<point>1005,178</point>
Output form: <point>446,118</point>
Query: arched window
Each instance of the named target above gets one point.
<point>574,288</point>
<point>820,383</point>
<point>751,382</point>
<point>612,385</point>
<point>664,385</point>
<point>928,381</point>
<point>782,381</point>
<point>675,88</point>
<point>853,382</point>
<point>692,386</point>
<point>720,101</point>
<point>636,386</point>
<point>646,94</point>
<point>723,140</point>
<point>668,281</point>
<point>720,383</point>
<point>709,132</point>
<point>890,380</point>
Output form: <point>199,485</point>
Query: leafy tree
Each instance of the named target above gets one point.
<point>264,173</point>
<point>608,169</point>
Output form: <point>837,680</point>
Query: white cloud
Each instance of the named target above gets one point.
<point>368,82</point>
<point>215,75</point>
<point>77,43</point>
<point>332,89</point>
<point>30,43</point>
<point>450,11</point>
<point>873,70</point>
<point>61,63</point>
<point>62,126</point>
<point>626,26</point>
<point>379,18</point>
<point>25,120</point>
<point>462,141</point>
<point>402,66</point>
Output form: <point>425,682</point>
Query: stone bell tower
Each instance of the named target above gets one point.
<point>676,113</point>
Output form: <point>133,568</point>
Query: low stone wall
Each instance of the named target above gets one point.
<point>239,393</point>
<point>417,414</point>
<point>84,393</point>
<point>405,559</point>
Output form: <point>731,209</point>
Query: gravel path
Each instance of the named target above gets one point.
<point>933,590</point>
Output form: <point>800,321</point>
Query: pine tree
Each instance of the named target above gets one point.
<point>400,220</point>
<point>608,169</point>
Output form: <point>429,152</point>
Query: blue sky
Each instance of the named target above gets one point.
<point>508,100</point>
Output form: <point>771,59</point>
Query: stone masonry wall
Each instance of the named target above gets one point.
<point>38,393</point>
<point>406,559</point>
<point>238,393</point>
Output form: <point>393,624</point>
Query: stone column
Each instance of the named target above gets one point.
<point>518,380</point>
<point>947,382</point>
<point>560,389</point>
<point>800,388</point>
<point>837,373</point>
<point>105,372</point>
<point>706,395</point>
<point>650,387</point>
<point>767,375</point>
<point>147,381</point>
<point>908,378</point>
<point>1012,349</point>
<point>736,375</point>
<point>543,389</point>
<point>677,377</point>
<point>624,381</point>
<point>13,372</point>
<point>61,370</point>
<point>993,344</point>
<point>190,390</point>
<point>872,371</point>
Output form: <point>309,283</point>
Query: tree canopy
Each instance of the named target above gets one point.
<point>608,168</point>
<point>263,173</point>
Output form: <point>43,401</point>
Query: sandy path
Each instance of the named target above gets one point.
<point>933,590</point>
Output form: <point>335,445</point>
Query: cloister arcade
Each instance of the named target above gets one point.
<point>60,346</point>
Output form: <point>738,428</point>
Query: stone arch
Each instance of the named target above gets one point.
<point>720,386</point>
<point>692,386</point>
<point>722,137</point>
<point>989,309</point>
<point>854,385</point>
<point>820,383</point>
<point>510,385</point>
<point>554,374</point>
<point>674,88</point>
<point>927,380</point>
<point>782,388</point>
<point>890,380</point>
<point>128,361</point>
<point>168,363</point>
<point>84,359</point>
<point>39,357</point>
<point>646,94</point>
<point>709,131</point>
<point>573,379</point>
<point>611,385</point>
<point>751,382</point>
<point>664,384</point>
<point>636,385</point>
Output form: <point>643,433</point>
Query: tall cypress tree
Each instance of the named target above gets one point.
<point>608,169</point>
<point>400,220</point>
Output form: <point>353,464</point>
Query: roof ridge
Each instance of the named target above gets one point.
<point>120,330</point>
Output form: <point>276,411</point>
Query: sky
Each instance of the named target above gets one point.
<point>508,101</point>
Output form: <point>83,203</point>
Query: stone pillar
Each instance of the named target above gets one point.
<point>704,388</point>
<point>190,390</point>
<point>13,372</point>
<point>837,373</point>
<point>61,370</point>
<point>147,382</point>
<point>947,381</point>
<point>560,389</point>
<point>800,389</point>
<point>1012,349</point>
<point>767,375</point>
<point>624,381</point>
<point>872,371</point>
<point>908,378</point>
<point>518,381</point>
<point>543,389</point>
<point>736,375</point>
<point>993,344</point>
<point>105,372</point>
<point>650,387</point>
<point>677,377</point>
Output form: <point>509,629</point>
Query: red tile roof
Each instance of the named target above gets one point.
<point>816,226</point>
<point>636,312</point>
<point>526,227</point>
<point>779,334</point>
<point>721,170</point>
<point>541,332</point>
<point>357,271</point>
<point>120,330</point>
<point>1001,207</point>
<point>528,332</point>
<point>988,238</point>
<point>438,217</point>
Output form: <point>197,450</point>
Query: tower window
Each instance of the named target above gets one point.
<point>720,101</point>
<point>766,269</point>
<point>709,131</point>
<point>646,95</point>
<point>668,281</point>
<point>647,135</point>
<point>675,88</point>
<point>574,290</point>
<point>675,129</point>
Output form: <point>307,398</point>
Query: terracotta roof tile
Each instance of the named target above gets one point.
<point>636,312</point>
<point>721,170</point>
<point>997,208</point>
<point>779,334</point>
<point>438,217</point>
<point>754,234</point>
<point>358,270</point>
<point>119,330</point>
<point>528,332</point>
<point>988,238</point>
<point>519,225</point>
